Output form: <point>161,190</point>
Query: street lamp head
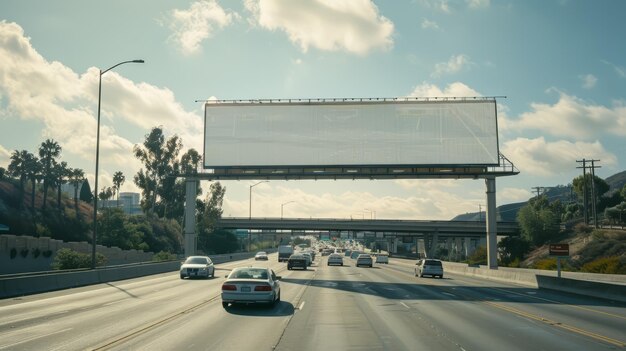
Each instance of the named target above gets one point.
<point>138,61</point>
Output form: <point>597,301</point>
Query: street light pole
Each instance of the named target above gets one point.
<point>95,198</point>
<point>281,208</point>
<point>250,211</point>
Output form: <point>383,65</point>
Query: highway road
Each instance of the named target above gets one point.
<point>322,308</point>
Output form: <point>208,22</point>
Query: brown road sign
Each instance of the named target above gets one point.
<point>559,250</point>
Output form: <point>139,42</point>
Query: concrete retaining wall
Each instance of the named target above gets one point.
<point>19,285</point>
<point>576,283</point>
<point>32,263</point>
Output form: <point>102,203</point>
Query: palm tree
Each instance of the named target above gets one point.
<point>48,152</point>
<point>61,173</point>
<point>77,177</point>
<point>17,168</point>
<point>33,168</point>
<point>118,180</point>
<point>105,194</point>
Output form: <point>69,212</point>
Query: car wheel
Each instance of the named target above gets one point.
<point>225,304</point>
<point>421,275</point>
<point>371,265</point>
<point>182,276</point>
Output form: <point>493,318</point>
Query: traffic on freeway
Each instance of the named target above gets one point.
<point>334,307</point>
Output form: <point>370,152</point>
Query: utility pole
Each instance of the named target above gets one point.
<point>593,193</point>
<point>585,197</point>
<point>539,190</point>
<point>592,176</point>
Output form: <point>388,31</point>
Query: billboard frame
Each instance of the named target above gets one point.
<point>356,171</point>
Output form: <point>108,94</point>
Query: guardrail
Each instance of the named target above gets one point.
<point>38,282</point>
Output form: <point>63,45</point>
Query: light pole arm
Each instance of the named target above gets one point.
<point>121,63</point>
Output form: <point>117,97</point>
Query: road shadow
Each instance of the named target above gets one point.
<point>427,290</point>
<point>281,309</point>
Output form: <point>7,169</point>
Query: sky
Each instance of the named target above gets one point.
<point>560,64</point>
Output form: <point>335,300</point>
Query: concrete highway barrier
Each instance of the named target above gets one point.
<point>26,284</point>
<point>611,288</point>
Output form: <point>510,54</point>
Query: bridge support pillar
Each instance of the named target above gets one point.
<point>190,217</point>
<point>458,244</point>
<point>449,248</point>
<point>492,230</point>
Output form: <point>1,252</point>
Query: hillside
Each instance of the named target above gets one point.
<point>63,223</point>
<point>564,193</point>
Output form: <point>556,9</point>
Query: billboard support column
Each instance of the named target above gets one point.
<point>190,216</point>
<point>491,223</point>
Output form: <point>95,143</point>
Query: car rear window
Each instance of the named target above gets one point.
<point>432,263</point>
<point>249,274</point>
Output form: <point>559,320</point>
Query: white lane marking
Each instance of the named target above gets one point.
<point>33,338</point>
<point>405,305</point>
<point>301,305</point>
<point>445,293</point>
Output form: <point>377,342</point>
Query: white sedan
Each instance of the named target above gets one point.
<point>197,266</point>
<point>251,285</point>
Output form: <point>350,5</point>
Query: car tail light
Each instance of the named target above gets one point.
<point>262,288</point>
<point>229,287</point>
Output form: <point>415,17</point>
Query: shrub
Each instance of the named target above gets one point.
<point>478,257</point>
<point>606,265</point>
<point>13,253</point>
<point>47,253</point>
<point>546,263</point>
<point>163,256</point>
<point>24,252</point>
<point>70,259</point>
<point>582,228</point>
<point>36,252</point>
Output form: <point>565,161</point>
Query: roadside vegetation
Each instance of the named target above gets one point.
<point>32,203</point>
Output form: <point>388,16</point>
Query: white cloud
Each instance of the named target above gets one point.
<point>621,71</point>
<point>456,89</point>
<point>475,4</point>
<point>454,65</point>
<point>511,195</point>
<point>354,26</point>
<point>427,24</point>
<point>5,157</point>
<point>573,117</point>
<point>65,102</point>
<point>190,27</point>
<point>537,157</point>
<point>589,80</point>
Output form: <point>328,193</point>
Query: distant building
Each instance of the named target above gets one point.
<point>129,202</point>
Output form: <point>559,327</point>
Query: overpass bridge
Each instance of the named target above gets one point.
<point>390,228</point>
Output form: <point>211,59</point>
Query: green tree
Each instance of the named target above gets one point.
<point>85,192</point>
<point>18,168</point>
<point>76,178</point>
<point>34,170</point>
<point>512,248</point>
<point>623,193</point>
<point>540,220</point>
<point>61,175</point>
<point>210,212</point>
<point>159,159</point>
<point>49,150</point>
<point>118,180</point>
<point>601,186</point>
<point>116,230</point>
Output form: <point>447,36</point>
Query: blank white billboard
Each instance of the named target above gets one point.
<point>385,133</point>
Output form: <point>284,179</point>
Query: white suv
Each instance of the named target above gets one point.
<point>429,267</point>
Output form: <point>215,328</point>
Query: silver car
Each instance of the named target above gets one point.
<point>364,260</point>
<point>335,258</point>
<point>431,267</point>
<point>251,285</point>
<point>197,266</point>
